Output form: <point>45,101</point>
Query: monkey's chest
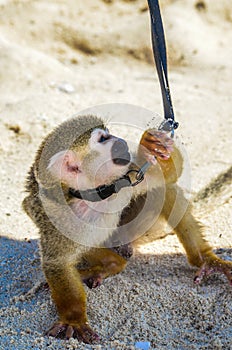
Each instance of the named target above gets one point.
<point>105,213</point>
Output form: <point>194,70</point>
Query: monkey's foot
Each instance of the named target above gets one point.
<point>213,266</point>
<point>126,251</point>
<point>93,281</point>
<point>66,331</point>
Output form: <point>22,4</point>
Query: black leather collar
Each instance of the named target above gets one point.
<point>102,192</point>
<point>105,191</point>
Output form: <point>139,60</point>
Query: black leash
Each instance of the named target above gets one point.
<point>159,52</point>
<point>169,124</point>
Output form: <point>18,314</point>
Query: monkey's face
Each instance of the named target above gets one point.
<point>99,160</point>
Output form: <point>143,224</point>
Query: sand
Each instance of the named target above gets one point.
<point>60,57</point>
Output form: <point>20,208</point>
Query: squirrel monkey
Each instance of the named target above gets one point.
<point>78,236</point>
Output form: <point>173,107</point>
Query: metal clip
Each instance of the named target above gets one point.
<point>169,125</point>
<point>139,173</point>
<point>142,170</point>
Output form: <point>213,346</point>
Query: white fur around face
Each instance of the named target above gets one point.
<point>92,168</point>
<point>91,223</point>
<point>96,135</point>
<point>104,168</point>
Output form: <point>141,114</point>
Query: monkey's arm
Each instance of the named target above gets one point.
<point>65,279</point>
<point>69,296</point>
<point>59,260</point>
<point>70,299</point>
<point>156,146</point>
<point>100,263</point>
<point>177,210</point>
<point>178,213</point>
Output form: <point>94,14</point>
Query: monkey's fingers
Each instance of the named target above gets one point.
<point>125,250</point>
<point>93,282</point>
<point>56,330</point>
<point>209,268</point>
<point>86,334</point>
<point>82,332</point>
<point>157,143</point>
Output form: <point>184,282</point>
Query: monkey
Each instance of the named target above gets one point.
<point>84,241</point>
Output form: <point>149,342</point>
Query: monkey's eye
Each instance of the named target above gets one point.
<point>104,138</point>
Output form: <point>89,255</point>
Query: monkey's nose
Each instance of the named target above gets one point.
<point>120,153</point>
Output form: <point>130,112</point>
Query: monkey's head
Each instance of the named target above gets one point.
<point>82,154</point>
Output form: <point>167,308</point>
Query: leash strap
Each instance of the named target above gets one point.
<point>160,57</point>
<point>169,124</point>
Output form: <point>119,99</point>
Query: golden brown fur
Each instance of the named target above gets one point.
<point>61,255</point>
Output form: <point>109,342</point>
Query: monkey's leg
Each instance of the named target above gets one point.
<point>190,234</point>
<point>101,263</point>
<point>70,299</point>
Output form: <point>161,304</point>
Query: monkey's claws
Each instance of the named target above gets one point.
<point>65,331</point>
<point>213,266</point>
<point>125,251</point>
<point>93,282</point>
<point>156,143</point>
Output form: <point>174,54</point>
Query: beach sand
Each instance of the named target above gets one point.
<point>60,57</point>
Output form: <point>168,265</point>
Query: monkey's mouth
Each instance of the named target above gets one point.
<point>120,153</point>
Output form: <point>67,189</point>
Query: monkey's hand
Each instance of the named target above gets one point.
<point>80,331</point>
<point>156,144</point>
<point>211,265</point>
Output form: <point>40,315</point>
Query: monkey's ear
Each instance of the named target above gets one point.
<point>64,164</point>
